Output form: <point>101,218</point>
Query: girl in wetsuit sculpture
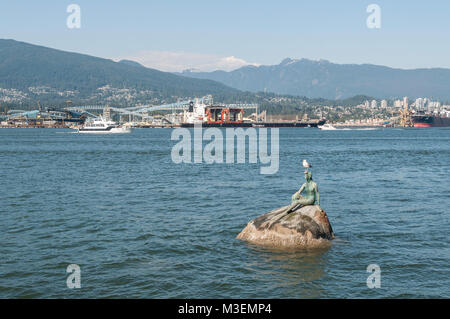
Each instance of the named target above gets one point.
<point>311,194</point>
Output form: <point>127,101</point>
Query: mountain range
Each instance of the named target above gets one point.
<point>323,79</point>
<point>29,73</point>
<point>27,70</point>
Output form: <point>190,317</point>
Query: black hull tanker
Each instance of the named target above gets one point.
<point>302,124</point>
<point>430,121</point>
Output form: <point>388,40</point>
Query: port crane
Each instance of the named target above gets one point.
<point>405,116</point>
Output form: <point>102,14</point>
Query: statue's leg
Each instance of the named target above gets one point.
<point>304,201</point>
<point>300,201</point>
<point>297,200</point>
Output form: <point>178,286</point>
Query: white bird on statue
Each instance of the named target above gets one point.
<point>306,165</point>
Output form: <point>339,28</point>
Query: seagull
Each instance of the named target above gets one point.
<point>306,165</point>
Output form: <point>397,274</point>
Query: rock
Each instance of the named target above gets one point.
<point>305,227</point>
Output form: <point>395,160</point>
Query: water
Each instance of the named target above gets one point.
<point>140,226</point>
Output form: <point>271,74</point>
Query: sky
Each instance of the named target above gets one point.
<point>173,35</point>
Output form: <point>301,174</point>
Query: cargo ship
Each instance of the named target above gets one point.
<point>431,120</point>
<point>223,116</point>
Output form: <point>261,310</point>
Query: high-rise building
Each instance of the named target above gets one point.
<point>373,104</point>
<point>434,105</point>
<point>419,103</point>
<point>383,104</point>
<point>405,102</point>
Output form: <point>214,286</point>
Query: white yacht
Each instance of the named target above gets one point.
<point>326,127</point>
<point>101,126</point>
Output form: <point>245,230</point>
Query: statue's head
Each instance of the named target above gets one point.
<point>308,176</point>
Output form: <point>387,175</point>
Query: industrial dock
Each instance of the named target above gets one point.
<point>188,113</point>
<point>203,111</point>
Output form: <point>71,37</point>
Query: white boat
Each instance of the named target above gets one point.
<point>101,126</point>
<point>326,127</point>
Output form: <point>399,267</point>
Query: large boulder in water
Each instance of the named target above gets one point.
<point>305,227</point>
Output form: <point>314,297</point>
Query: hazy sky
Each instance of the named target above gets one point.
<point>219,34</point>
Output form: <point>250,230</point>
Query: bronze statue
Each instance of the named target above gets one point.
<point>311,194</point>
<point>300,224</point>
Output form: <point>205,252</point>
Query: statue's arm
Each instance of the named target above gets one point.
<point>301,189</point>
<point>297,194</point>
<point>317,194</point>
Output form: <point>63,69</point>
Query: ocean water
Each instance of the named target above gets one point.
<point>140,226</point>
